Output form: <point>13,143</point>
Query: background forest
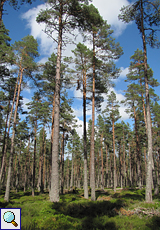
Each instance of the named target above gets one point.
<point>43,144</point>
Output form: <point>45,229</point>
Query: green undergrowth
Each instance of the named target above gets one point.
<point>75,212</point>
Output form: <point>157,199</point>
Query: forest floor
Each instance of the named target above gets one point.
<point>126,210</point>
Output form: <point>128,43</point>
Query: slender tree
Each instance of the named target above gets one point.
<point>25,52</point>
<point>102,64</point>
<point>35,108</point>
<point>60,19</point>
<point>113,113</point>
<point>83,64</point>
<point>147,17</point>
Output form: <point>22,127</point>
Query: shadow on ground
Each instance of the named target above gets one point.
<point>154,223</point>
<point>90,209</point>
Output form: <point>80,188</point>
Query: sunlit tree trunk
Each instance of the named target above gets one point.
<point>26,170</point>
<point>85,137</point>
<point>148,194</point>
<point>124,161</point>
<point>54,192</point>
<point>114,156</point>
<point>6,197</point>
<point>107,179</point>
<point>34,157</point>
<point>137,149</point>
<point>92,176</point>
<point>4,151</point>
<point>102,170</point>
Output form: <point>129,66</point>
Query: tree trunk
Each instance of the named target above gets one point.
<point>34,158</point>
<point>18,169</point>
<point>137,148</point>
<point>62,162</point>
<point>148,194</point>
<point>124,162</point>
<point>97,182</point>
<point>54,192</point>
<point>107,179</point>
<point>130,167</point>
<point>68,173</point>
<point>9,123</point>
<point>114,155</point>
<point>26,173</point>
<point>45,168</point>
<point>85,137</point>
<point>42,158</point>
<point>92,176</point>
<point>102,170</point>
<point>144,110</point>
<point>12,142</point>
<point>39,172</point>
<point>5,130</point>
<point>71,182</point>
<point>120,165</point>
<point>52,128</point>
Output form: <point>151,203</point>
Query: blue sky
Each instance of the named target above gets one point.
<point>22,22</point>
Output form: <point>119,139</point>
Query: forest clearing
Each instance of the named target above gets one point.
<point>125,209</point>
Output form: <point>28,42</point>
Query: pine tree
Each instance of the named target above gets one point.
<point>135,94</point>
<point>22,132</point>
<point>67,120</point>
<point>60,19</point>
<point>35,114</point>
<point>25,52</point>
<point>156,146</point>
<point>83,64</point>
<point>102,64</point>
<point>147,17</point>
<point>136,75</point>
<point>113,113</point>
<point>5,52</point>
<point>101,129</point>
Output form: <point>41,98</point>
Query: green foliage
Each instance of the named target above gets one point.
<point>67,11</point>
<point>91,19</point>
<point>112,108</point>
<point>5,51</point>
<point>151,18</point>
<point>39,214</point>
<point>25,52</point>
<point>4,43</point>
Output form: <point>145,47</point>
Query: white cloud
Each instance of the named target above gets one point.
<point>78,112</point>
<point>119,98</point>
<point>110,11</point>
<point>27,89</point>
<point>25,101</point>
<point>78,94</point>
<point>123,114</point>
<point>43,60</point>
<point>37,30</point>
<point>124,72</point>
<point>80,129</point>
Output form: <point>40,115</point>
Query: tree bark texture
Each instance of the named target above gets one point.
<point>54,192</point>
<point>85,137</point>
<point>148,194</point>
<point>92,176</point>
<point>6,197</point>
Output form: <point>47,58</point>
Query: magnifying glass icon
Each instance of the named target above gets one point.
<point>9,217</point>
